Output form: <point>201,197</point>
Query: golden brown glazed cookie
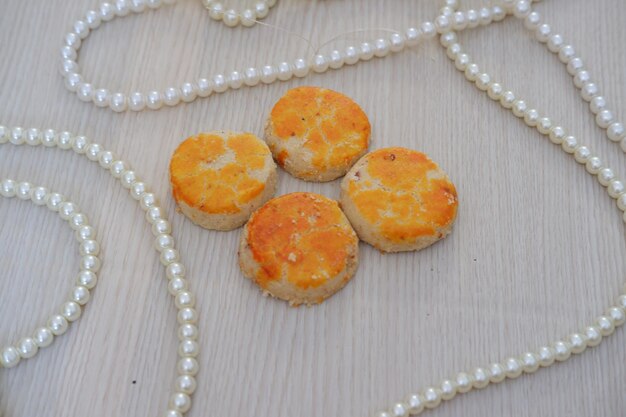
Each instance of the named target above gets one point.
<point>300,248</point>
<point>218,179</point>
<point>317,134</point>
<point>397,200</point>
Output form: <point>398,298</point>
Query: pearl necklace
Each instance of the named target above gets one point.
<point>178,286</point>
<point>231,17</point>
<point>70,311</point>
<point>445,25</point>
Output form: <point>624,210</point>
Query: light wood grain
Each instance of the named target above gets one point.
<point>537,251</point>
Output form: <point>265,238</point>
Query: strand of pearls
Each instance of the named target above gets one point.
<point>232,17</point>
<point>178,286</point>
<point>89,249</point>
<point>575,343</point>
<point>252,76</point>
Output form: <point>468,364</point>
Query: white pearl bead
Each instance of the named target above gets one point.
<point>185,299</point>
<point>118,102</point>
<point>73,81</point>
<point>176,285</point>
<point>555,42</point>
<point>205,87</point>
<point>106,159</point>
<point>162,242</point>
<point>188,348</point>
<point>621,202</point>
<point>168,256</point>
<point>154,100</point>
<point>485,16</point>
<point>72,40</point>
<point>93,19</point>
<point>186,384</point>
<point>473,20</point>
<point>616,132</point>
<point>513,368</point>
<point>161,226</point>
<point>480,378</point>
<point>77,220</point>
<point>87,279</point>
<point>542,33</point>
<point>574,66</point>
<point>268,74</point>
<point>137,189</point>
<point>606,325</point>
<point>462,61</point>
<point>107,11</point>
<point>615,188</point>
<point>399,410</point>
<point>180,402</point>
<point>23,190</point>
<point>188,331</point>
<point>483,81</point>
<point>90,263</point>
<point>63,140</point>
<point>53,201</point>
<point>605,176</point>
<point>216,11</point>
<point>66,210</point>
<point>604,119</point>
<point>453,51</point>
<point>570,144</point>
<point>101,97</point>
<point>153,214</point>
<point>261,9</point>
<point>89,247</point>
<point>496,373</point>
<point>432,397</point>
<point>43,337</point>
<point>138,6</point>
<point>38,195</point>
<point>175,270</point>
<point>381,47</point>
<point>230,18</point>
<point>443,24</point>
<point>427,29</point>
<point>27,347</point>
<point>597,104</point>
<point>9,357</point>
<point>446,11</point>
<point>58,325</point>
<point>593,336</point>
<point>582,154</point>
<point>171,96</point>
<point>351,55</point>
<point>544,125</point>
<point>172,413</point>
<point>136,101</point>
<point>532,21</point>
<point>415,403</point>
<point>498,13</point>
<point>68,52</point>
<point>68,66</point>
<point>248,17</point>
<point>618,315</point>
<point>122,7</point>
<point>557,135</point>
<point>589,91</point>
<point>85,92</point>
<point>413,35</point>
<point>578,343</point>
<point>495,91</point>
<point>84,233</point>
<point>71,311</point>
<point>366,51</point>
<point>285,72</point>
<point>471,72</point>
<point>459,21</point>
<point>49,139</point>
<point>188,366</point>
<point>81,29</point>
<point>566,53</point>
<point>507,100</point>
<point>448,389</point>
<point>252,77</point>
<point>301,68</point>
<point>546,356</point>
<point>8,188</point>
<point>581,78</point>
<point>235,80</point>
<point>154,4</point>
<point>147,201</point>
<point>522,9</point>
<point>80,295</point>
<point>448,39</point>
<point>93,151</point>
<point>17,136</point>
<point>530,362</point>
<point>187,316</point>
<point>128,179</point>
<point>397,42</point>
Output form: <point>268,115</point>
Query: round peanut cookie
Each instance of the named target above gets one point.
<point>317,134</point>
<point>300,248</point>
<point>218,179</point>
<point>398,200</point>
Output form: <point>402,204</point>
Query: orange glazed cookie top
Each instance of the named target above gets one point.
<point>398,199</point>
<point>299,247</point>
<point>317,134</point>
<point>222,174</point>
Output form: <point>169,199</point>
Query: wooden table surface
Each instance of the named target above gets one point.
<point>536,253</point>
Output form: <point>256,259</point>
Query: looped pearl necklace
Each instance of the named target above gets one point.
<point>232,17</point>
<point>89,248</point>
<point>178,286</point>
<point>449,21</point>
